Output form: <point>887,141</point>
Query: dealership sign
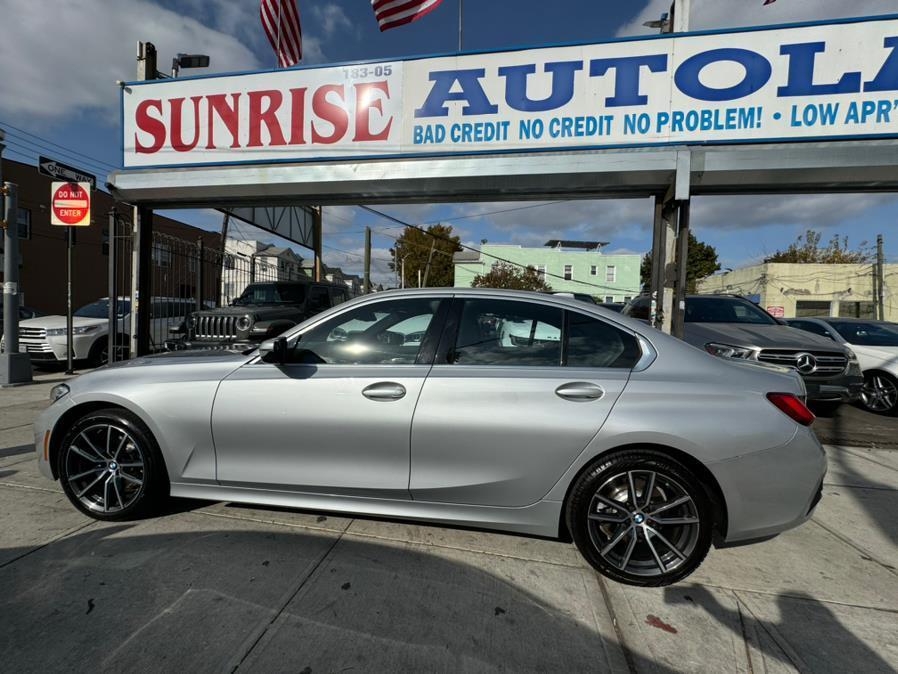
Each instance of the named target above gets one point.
<point>835,80</point>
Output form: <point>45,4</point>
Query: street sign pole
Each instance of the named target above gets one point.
<point>69,369</point>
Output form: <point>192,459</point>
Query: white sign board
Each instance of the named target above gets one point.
<point>820,81</point>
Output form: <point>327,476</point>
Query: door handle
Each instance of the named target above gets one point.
<point>579,391</point>
<point>385,390</point>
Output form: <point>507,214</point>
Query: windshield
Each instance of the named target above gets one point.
<point>725,310</point>
<point>867,334</point>
<point>272,293</point>
<point>100,309</point>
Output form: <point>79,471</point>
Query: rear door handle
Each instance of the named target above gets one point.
<point>385,390</point>
<point>579,391</point>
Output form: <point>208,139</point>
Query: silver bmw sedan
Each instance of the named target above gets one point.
<point>513,411</point>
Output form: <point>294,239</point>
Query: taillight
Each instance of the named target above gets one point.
<point>792,406</point>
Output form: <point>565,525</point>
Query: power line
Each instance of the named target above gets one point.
<point>45,141</point>
<point>480,252</point>
<point>37,151</point>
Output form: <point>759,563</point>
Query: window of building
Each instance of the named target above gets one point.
<point>162,255</point>
<point>627,298</point>
<point>609,299</point>
<point>594,270</point>
<point>805,308</point>
<point>857,309</point>
<point>506,332</point>
<point>541,271</point>
<point>568,272</point>
<point>610,274</point>
<point>24,222</point>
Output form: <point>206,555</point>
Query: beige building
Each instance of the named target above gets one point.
<point>793,290</point>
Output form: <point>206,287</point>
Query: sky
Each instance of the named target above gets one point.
<point>58,97</point>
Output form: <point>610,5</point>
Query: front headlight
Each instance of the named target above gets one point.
<point>80,330</point>
<point>58,392</point>
<point>55,332</point>
<point>244,323</point>
<point>728,351</point>
<point>852,356</point>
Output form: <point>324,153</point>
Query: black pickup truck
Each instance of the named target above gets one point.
<point>264,310</point>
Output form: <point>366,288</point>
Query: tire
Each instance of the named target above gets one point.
<point>99,350</point>
<point>96,479</point>
<point>638,547</point>
<point>880,394</point>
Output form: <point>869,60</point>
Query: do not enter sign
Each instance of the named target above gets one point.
<point>70,204</point>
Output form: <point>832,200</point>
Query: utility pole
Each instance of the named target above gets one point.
<point>15,367</point>
<point>367,287</point>
<point>433,244</point>
<point>880,278</point>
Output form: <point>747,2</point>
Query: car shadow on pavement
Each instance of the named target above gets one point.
<point>817,639</point>
<point>176,595</point>
<point>15,451</point>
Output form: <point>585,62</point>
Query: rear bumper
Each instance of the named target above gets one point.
<point>770,491</point>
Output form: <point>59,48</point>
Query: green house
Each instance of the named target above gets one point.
<point>568,266</point>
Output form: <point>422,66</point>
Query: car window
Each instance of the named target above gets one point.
<point>725,310</point>
<point>867,334</point>
<point>640,309</point>
<point>807,326</point>
<point>386,333</point>
<point>507,332</point>
<point>594,343</point>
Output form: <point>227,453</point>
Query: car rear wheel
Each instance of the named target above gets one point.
<point>640,518</point>
<point>880,393</point>
<point>110,467</point>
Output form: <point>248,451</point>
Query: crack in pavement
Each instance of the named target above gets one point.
<point>866,553</point>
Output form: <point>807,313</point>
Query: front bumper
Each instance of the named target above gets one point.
<point>845,388</point>
<point>53,348</point>
<point>44,424</point>
<point>773,490</point>
<point>210,345</point>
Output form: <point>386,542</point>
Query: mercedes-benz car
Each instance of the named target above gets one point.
<point>736,328</point>
<point>506,410</point>
<point>876,345</point>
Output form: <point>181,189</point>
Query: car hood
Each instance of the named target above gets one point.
<point>255,310</point>
<point>50,322</point>
<point>763,336</point>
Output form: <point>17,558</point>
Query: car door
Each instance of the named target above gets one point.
<point>336,417</point>
<point>517,391</point>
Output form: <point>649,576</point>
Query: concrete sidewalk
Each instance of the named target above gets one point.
<point>219,587</point>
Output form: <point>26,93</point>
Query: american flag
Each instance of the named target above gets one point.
<point>280,19</point>
<point>393,13</point>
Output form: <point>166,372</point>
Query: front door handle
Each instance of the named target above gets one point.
<point>385,390</point>
<point>579,391</point>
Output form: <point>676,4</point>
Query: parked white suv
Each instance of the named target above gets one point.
<point>44,338</point>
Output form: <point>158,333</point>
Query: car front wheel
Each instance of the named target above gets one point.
<point>880,393</point>
<point>110,467</point>
<point>640,518</point>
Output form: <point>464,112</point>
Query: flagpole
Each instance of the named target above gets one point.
<point>277,52</point>
<point>461,4</point>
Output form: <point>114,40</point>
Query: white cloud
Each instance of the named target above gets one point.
<point>332,18</point>
<point>63,58</point>
<point>710,14</point>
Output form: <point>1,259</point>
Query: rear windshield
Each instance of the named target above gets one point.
<point>725,310</point>
<point>866,334</point>
<point>272,293</point>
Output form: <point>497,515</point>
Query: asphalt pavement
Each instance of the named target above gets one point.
<point>219,587</point>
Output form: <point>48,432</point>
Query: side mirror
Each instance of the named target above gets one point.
<point>274,350</point>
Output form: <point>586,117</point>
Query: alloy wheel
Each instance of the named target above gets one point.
<point>644,523</point>
<point>880,394</point>
<point>105,468</point>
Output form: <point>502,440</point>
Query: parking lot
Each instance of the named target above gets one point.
<point>220,587</point>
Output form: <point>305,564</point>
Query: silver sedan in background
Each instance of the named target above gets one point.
<point>512,411</point>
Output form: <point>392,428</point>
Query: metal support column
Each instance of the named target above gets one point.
<point>15,367</point>
<point>367,287</point>
<point>141,280</point>
<point>682,258</point>
<point>113,343</point>
<point>317,241</point>
<point>200,273</point>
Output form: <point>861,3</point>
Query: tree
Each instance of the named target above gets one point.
<point>510,277</point>
<point>806,249</point>
<point>414,247</point>
<point>702,262</point>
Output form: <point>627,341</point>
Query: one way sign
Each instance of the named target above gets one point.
<point>65,173</point>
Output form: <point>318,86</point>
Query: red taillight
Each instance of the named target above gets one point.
<point>791,406</point>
